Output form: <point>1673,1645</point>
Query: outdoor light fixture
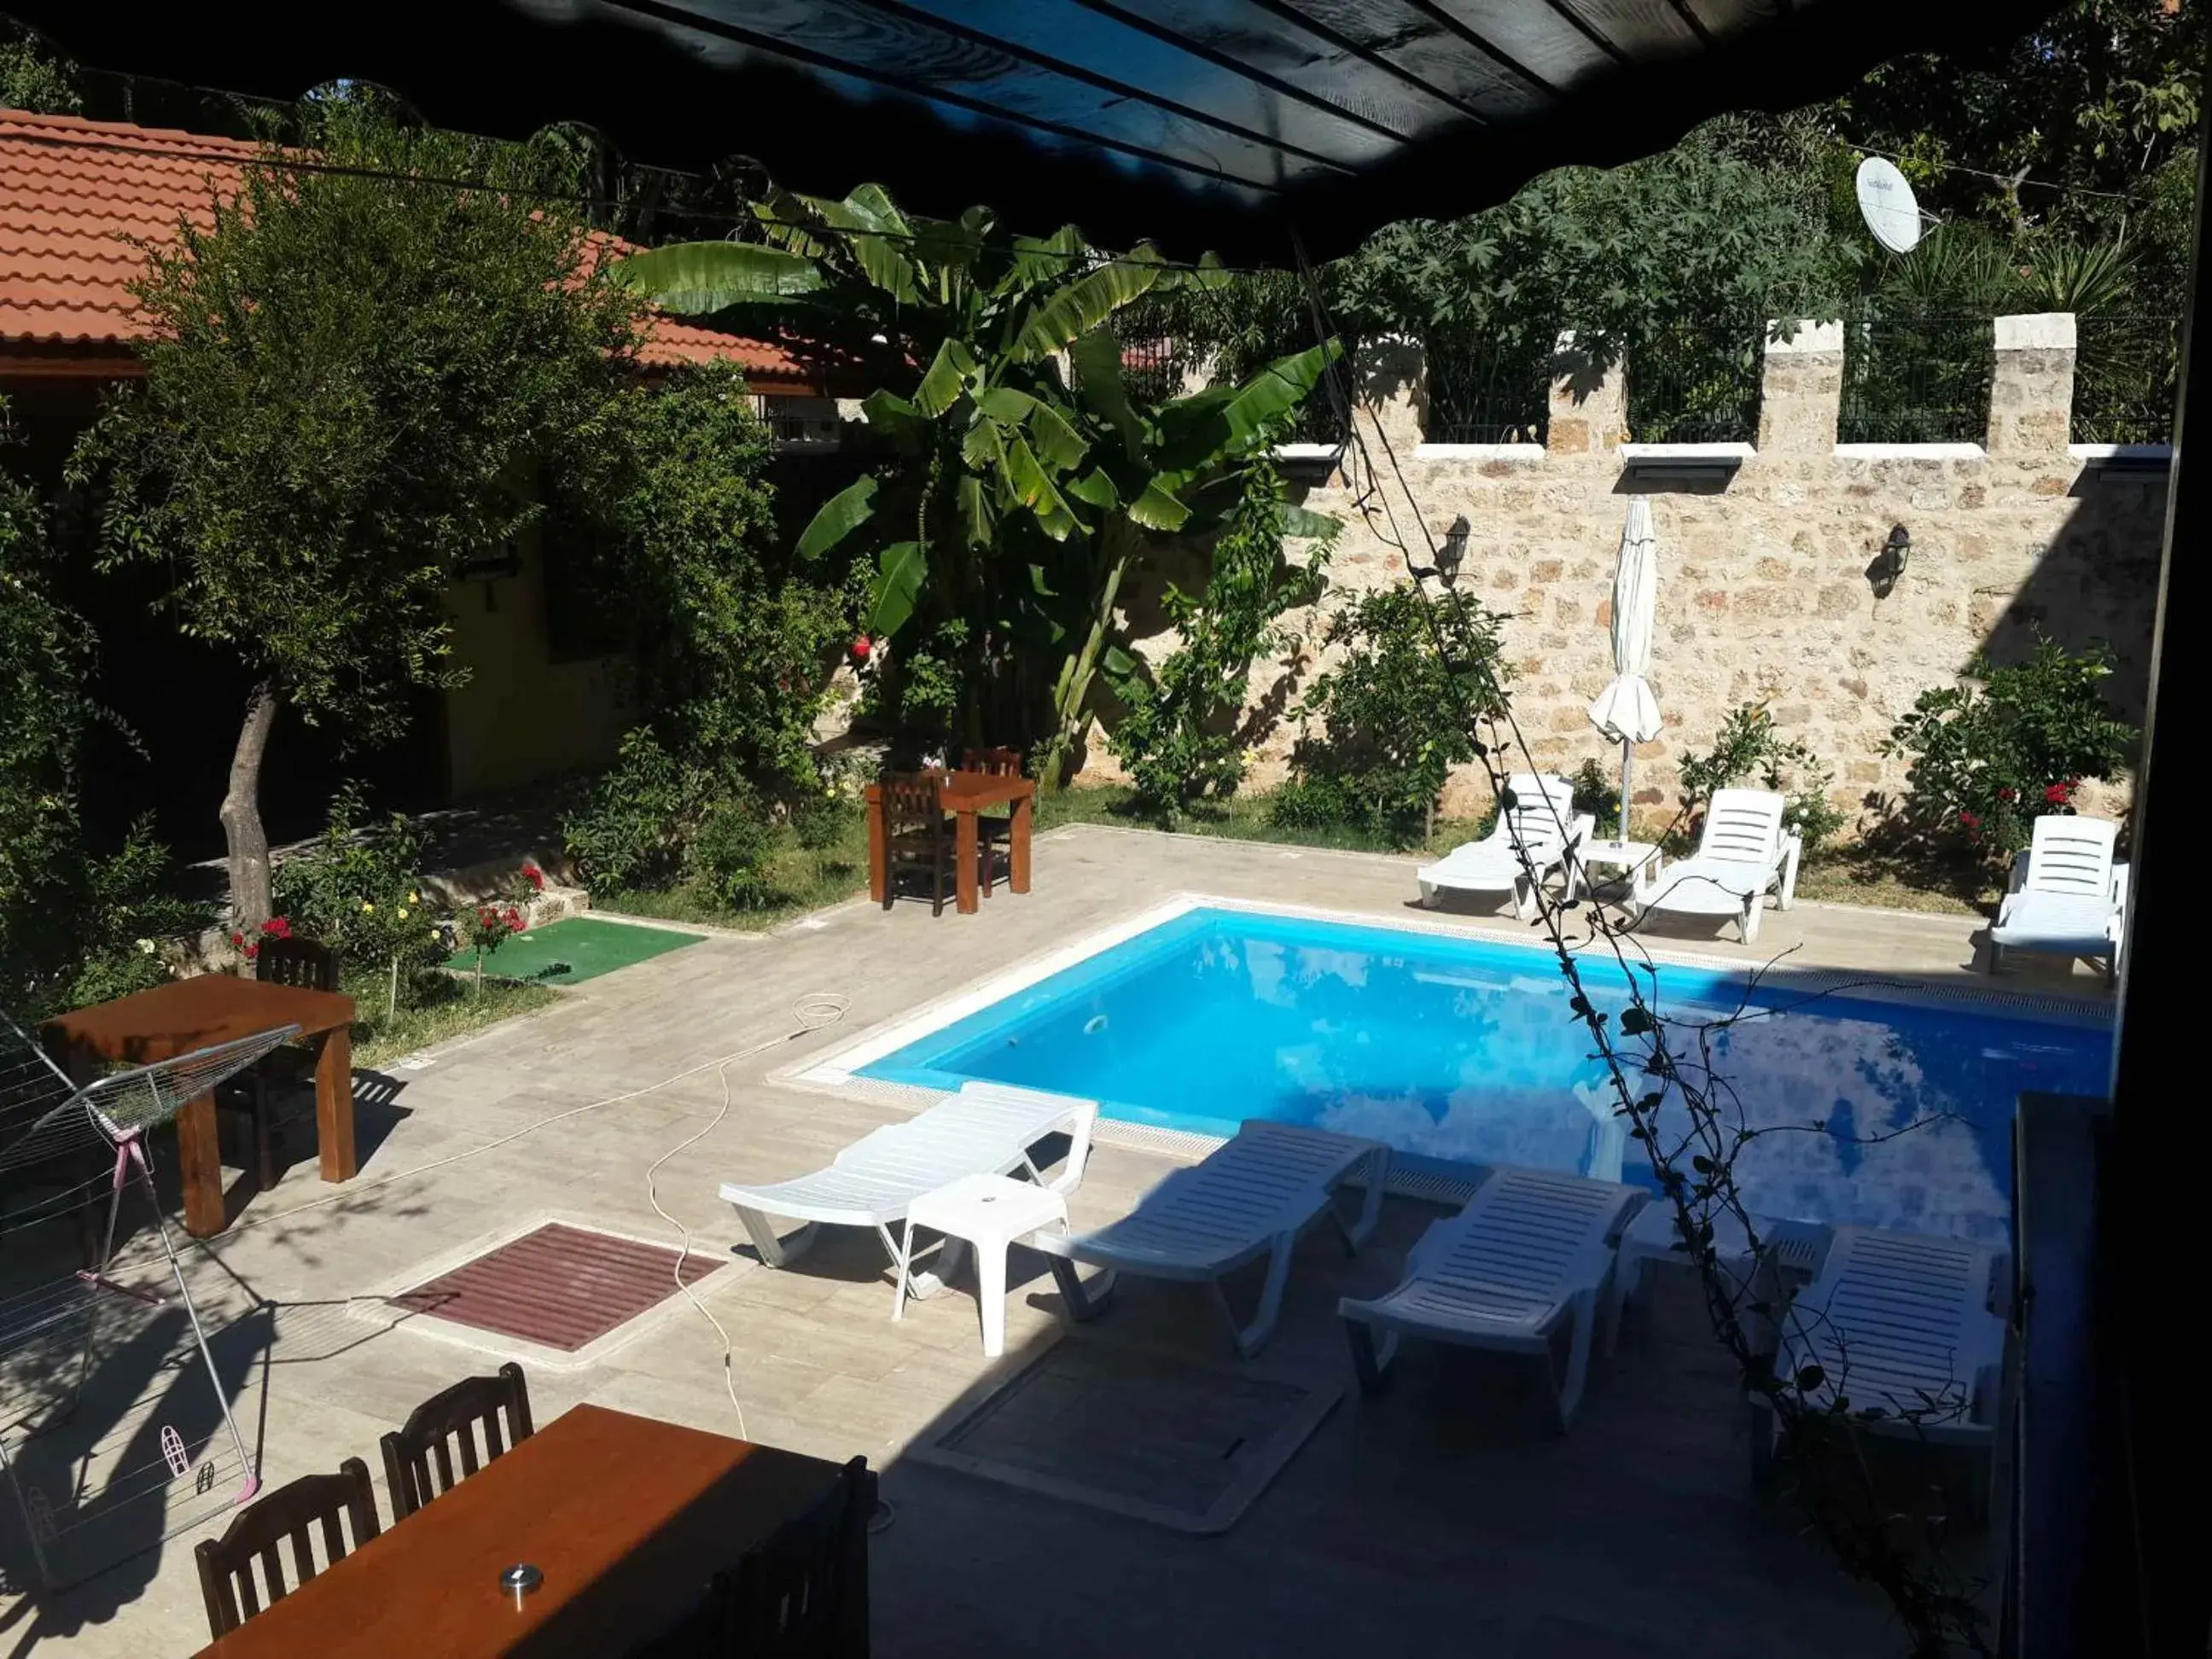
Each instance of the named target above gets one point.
<point>1889,564</point>
<point>1451,552</point>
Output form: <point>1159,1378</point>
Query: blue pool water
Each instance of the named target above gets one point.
<point>1457,1051</point>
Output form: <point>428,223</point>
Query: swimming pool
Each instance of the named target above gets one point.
<point>1458,1051</point>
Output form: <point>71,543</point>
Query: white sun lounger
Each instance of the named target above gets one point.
<point>1533,1248</point>
<point>1744,854</point>
<point>987,1128</point>
<point>1251,1196</point>
<point>1542,821</point>
<point>1903,1323</point>
<point>2068,898</point>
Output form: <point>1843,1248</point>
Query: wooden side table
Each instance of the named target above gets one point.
<point>200,1012</point>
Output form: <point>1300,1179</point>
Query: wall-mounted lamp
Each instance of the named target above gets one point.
<point>1451,552</point>
<point>1888,566</point>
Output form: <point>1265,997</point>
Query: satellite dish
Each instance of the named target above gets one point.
<point>1888,205</point>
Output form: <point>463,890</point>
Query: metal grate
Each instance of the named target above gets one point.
<point>1486,394</point>
<point>1915,381</point>
<point>561,1287</point>
<point>2125,371</point>
<point>1697,382</point>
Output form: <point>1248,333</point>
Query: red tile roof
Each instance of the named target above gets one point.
<point>74,195</point>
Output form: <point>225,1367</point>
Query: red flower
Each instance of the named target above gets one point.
<point>277,927</point>
<point>861,647</point>
<point>2007,793</point>
<point>1971,820</point>
<point>2058,794</point>
<point>535,875</point>
<point>513,919</point>
<point>484,916</point>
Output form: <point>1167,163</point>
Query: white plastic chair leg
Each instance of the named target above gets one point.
<point>991,1294</point>
<point>1748,924</point>
<point>1371,1357</point>
<point>1251,1338</point>
<point>1578,1356</point>
<point>904,1255</point>
<point>773,1251</point>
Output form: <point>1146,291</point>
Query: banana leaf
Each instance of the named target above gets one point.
<point>901,569</point>
<point>693,279</point>
<point>839,517</point>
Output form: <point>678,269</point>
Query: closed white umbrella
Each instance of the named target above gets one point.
<point>1625,711</point>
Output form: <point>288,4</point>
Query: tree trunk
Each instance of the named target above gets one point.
<point>243,835</point>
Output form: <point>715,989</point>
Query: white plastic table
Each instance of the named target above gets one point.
<point>1639,858</point>
<point>988,1212</point>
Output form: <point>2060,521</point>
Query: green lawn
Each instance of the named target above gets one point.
<point>803,878</point>
<point>443,1007</point>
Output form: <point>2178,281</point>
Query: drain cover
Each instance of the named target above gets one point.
<point>559,1287</point>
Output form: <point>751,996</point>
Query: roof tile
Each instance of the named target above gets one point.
<point>74,195</point>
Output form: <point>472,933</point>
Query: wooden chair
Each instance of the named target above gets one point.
<point>995,832</point>
<point>316,1502</point>
<point>453,1414</point>
<point>916,836</point>
<point>803,1593</point>
<point>311,967</point>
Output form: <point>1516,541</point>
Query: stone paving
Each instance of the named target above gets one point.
<point>1439,1517</point>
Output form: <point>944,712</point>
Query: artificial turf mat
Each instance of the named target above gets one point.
<point>574,949</point>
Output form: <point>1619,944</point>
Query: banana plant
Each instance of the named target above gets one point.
<point>1023,478</point>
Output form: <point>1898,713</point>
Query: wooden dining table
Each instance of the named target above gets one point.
<point>964,794</point>
<point>627,1518</point>
<point>186,1014</point>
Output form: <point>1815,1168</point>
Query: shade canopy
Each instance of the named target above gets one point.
<point>1625,711</point>
<point>1224,124</point>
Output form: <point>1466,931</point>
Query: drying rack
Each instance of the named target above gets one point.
<point>66,1152</point>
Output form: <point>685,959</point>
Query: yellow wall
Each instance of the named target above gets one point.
<point>522,716</point>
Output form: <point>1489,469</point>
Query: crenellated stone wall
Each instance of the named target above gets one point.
<point>1767,552</point>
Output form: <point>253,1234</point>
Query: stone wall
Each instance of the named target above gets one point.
<point>1766,592</point>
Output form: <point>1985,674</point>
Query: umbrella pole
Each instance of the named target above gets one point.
<point>1620,829</point>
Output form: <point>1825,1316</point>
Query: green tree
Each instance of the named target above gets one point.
<point>75,927</point>
<point>32,78</point>
<point>1025,479</point>
<point>1395,711</point>
<point>357,373</point>
<point>1180,736</point>
<point>728,634</point>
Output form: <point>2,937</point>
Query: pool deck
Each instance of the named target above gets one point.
<point>1438,1518</point>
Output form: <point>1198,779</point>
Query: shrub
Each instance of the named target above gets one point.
<point>729,853</point>
<point>1749,749</point>
<point>1992,755</point>
<point>633,826</point>
<point>359,891</point>
<point>120,910</point>
<point>1395,719</point>
<point>1178,737</point>
<point>1596,794</point>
